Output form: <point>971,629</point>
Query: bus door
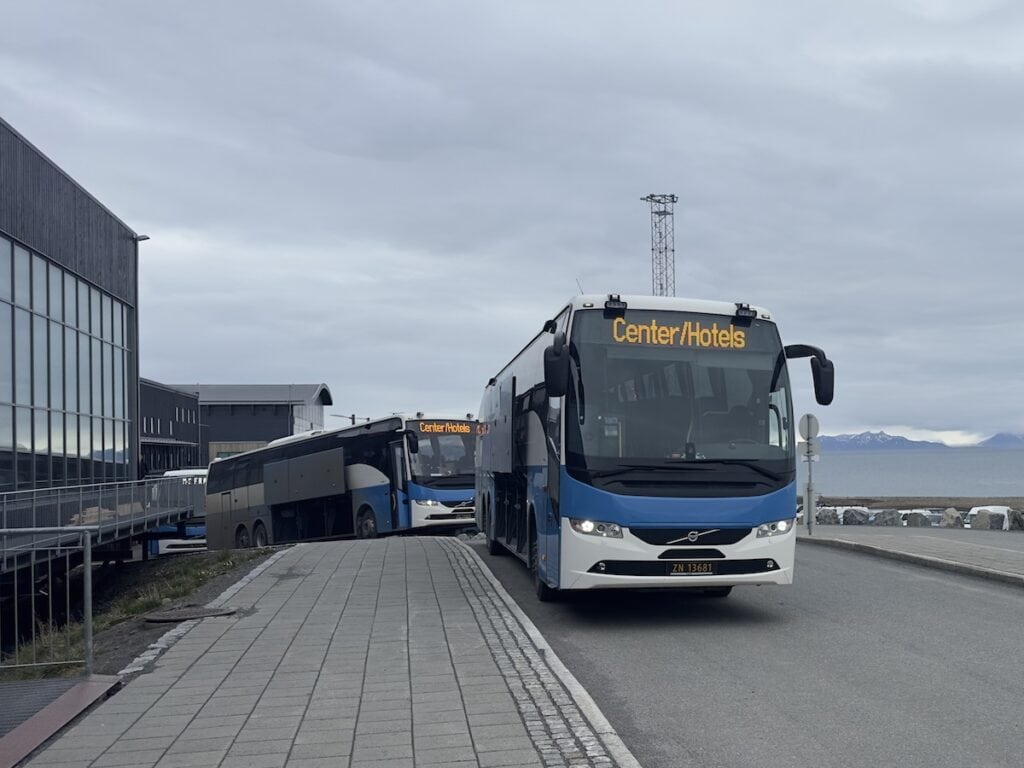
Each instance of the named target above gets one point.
<point>400,512</point>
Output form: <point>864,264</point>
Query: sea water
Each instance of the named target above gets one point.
<point>975,472</point>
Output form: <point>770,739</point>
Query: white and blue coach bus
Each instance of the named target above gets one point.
<point>385,476</point>
<point>645,442</point>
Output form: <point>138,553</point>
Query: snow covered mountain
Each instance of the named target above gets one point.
<point>875,441</point>
<point>1003,440</point>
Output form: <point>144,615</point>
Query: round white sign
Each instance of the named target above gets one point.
<point>808,426</point>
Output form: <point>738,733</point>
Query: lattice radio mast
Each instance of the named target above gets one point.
<point>663,244</point>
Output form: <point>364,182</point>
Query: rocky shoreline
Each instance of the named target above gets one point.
<point>960,503</point>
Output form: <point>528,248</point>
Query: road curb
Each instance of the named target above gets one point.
<point>924,560</point>
<point>604,730</point>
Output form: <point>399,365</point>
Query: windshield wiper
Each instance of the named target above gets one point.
<point>748,464</point>
<point>629,467</point>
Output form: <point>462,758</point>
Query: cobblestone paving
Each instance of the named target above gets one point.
<point>362,654</point>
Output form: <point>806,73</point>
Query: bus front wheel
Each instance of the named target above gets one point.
<point>242,540</point>
<point>493,546</point>
<point>545,593</point>
<point>366,525</point>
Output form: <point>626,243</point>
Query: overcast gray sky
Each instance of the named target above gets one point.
<point>392,196</point>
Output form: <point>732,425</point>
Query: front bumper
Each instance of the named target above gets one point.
<point>424,516</point>
<point>770,559</point>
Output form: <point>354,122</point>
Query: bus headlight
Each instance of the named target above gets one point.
<point>777,528</point>
<point>427,502</point>
<point>596,528</point>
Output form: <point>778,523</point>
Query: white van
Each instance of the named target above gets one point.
<point>994,509</point>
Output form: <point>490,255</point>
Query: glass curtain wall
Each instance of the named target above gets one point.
<point>64,366</point>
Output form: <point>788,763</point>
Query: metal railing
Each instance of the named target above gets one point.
<point>51,637</point>
<point>113,510</point>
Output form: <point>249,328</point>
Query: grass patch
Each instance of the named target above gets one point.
<point>172,579</point>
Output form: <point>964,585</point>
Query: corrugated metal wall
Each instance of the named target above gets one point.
<point>50,213</point>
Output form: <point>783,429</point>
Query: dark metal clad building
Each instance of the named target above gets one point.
<point>68,328</point>
<point>241,417</point>
<point>169,429</point>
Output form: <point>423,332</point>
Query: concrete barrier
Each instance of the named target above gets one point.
<point>888,517</point>
<point>951,519</point>
<point>985,520</point>
<point>855,516</point>
<point>918,520</point>
<point>827,516</point>
<point>1016,520</point>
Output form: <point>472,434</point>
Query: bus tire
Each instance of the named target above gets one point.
<point>718,592</point>
<point>366,524</point>
<point>545,593</point>
<point>259,536</point>
<point>242,540</point>
<point>494,547</point>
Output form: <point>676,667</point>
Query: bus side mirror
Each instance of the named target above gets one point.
<point>556,367</point>
<point>822,371</point>
<point>414,441</point>
<point>824,375</point>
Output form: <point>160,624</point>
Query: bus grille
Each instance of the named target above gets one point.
<point>677,537</point>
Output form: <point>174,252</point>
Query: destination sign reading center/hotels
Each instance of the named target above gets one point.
<point>445,428</point>
<point>688,333</point>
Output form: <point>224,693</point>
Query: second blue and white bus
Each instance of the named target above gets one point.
<point>645,442</point>
<point>389,475</point>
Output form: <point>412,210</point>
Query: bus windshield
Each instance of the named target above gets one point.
<point>445,455</point>
<point>685,394</point>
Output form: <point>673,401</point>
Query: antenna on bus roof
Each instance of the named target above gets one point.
<point>579,285</point>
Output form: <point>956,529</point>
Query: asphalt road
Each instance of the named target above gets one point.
<point>862,662</point>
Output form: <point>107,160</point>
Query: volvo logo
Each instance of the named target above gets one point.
<point>692,536</point>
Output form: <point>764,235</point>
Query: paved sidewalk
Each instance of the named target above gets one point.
<point>996,555</point>
<point>365,654</point>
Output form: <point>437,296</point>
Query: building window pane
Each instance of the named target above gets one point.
<point>108,380</point>
<point>22,357</point>
<point>40,361</point>
<point>6,447</point>
<point>70,299</point>
<point>5,269</point>
<point>97,450</point>
<point>85,449</point>
<point>39,284</point>
<point>108,318</point>
<point>83,306</point>
<point>97,377</point>
<point>119,383</point>
<point>6,354</point>
<point>84,377</point>
<point>56,293</point>
<point>71,448</point>
<point>23,446</point>
<point>95,311</point>
<point>118,323</point>
<point>70,370</point>
<point>56,365</point>
<point>22,281</point>
<point>41,448</point>
<point>56,448</point>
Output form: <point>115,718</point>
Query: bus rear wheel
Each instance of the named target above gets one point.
<point>366,525</point>
<point>493,546</point>
<point>242,540</point>
<point>259,536</point>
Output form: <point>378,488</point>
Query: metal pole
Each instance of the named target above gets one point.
<point>87,599</point>
<point>809,505</point>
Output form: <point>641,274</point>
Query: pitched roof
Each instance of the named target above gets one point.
<point>303,394</point>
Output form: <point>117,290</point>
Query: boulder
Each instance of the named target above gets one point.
<point>1016,520</point>
<point>827,516</point>
<point>855,516</point>
<point>887,517</point>
<point>918,520</point>
<point>951,519</point>
<point>986,520</point>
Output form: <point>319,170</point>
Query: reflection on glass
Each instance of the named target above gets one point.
<point>70,369</point>
<point>38,284</point>
<point>119,323</point>
<point>23,446</point>
<point>6,353</point>
<point>5,269</point>
<point>70,299</point>
<point>119,383</point>
<point>108,318</point>
<point>83,306</point>
<point>71,446</point>
<point>108,380</point>
<point>22,282</point>
<point>56,294</point>
<point>85,448</point>
<point>6,447</point>
<point>22,357</point>
<point>84,376</point>
<point>97,450</point>
<point>40,359</point>
<point>41,447</point>
<point>56,365</point>
<point>97,376</point>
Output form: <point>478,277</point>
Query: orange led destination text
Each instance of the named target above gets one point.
<point>689,334</point>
